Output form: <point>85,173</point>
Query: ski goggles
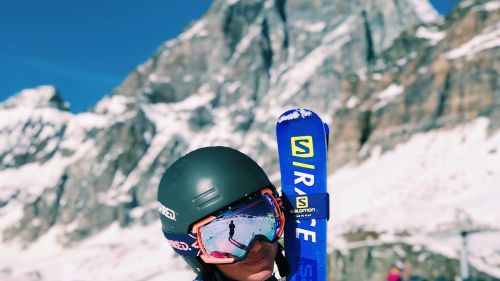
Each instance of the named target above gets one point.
<point>228,236</point>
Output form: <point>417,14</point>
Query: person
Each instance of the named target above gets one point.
<point>231,229</point>
<point>406,269</point>
<point>209,188</point>
<point>394,273</point>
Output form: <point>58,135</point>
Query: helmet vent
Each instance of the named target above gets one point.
<point>206,198</point>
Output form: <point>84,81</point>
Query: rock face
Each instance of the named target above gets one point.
<point>381,69</point>
<point>376,260</point>
<point>31,138</point>
<point>432,76</point>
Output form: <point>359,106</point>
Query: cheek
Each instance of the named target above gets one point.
<point>240,271</point>
<point>231,270</point>
<point>273,249</point>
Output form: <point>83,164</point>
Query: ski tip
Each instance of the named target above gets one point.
<point>295,114</point>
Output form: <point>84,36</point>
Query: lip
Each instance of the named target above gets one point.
<point>257,260</point>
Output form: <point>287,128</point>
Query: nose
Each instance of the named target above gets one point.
<point>257,246</point>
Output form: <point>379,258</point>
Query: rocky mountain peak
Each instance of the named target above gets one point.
<point>41,97</point>
<point>213,54</point>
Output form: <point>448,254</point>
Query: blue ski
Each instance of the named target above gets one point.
<point>302,147</point>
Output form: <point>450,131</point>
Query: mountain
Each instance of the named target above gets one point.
<point>432,76</point>
<point>409,95</point>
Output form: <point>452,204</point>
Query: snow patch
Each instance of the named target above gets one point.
<point>115,105</point>
<point>433,35</point>
<point>422,70</point>
<point>492,6</point>
<point>13,117</point>
<point>31,98</point>
<point>106,256</point>
<point>193,102</point>
<point>465,3</point>
<point>153,77</point>
<point>425,11</point>
<point>231,88</point>
<point>489,38</point>
<point>231,2</point>
<point>296,114</point>
<point>195,30</point>
<point>295,77</point>
<point>402,61</point>
<point>377,76</point>
<point>387,95</point>
<point>88,120</point>
<point>489,7</point>
<point>253,32</point>
<point>32,179</point>
<point>9,214</point>
<point>311,27</point>
<point>352,102</point>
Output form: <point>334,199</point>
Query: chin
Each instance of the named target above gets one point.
<point>257,271</point>
<point>261,275</point>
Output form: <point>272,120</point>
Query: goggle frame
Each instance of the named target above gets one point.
<point>278,204</point>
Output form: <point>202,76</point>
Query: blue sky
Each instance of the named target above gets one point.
<point>86,48</point>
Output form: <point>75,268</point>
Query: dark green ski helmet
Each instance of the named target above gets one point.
<point>202,182</point>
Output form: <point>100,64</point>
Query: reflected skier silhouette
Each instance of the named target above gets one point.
<point>232,227</point>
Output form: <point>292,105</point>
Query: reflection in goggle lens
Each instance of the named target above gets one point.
<point>230,234</point>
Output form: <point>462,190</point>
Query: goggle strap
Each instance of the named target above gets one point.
<point>183,244</point>
<point>309,206</point>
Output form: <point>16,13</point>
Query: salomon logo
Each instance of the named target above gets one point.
<point>302,210</point>
<point>302,146</point>
<point>302,202</point>
<point>169,213</point>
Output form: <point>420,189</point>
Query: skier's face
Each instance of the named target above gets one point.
<point>257,266</point>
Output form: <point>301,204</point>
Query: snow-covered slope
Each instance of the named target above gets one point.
<point>426,191</point>
<point>135,253</point>
<point>422,184</point>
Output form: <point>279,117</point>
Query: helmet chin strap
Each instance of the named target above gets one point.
<point>283,267</point>
<point>220,277</point>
